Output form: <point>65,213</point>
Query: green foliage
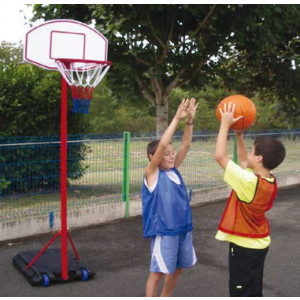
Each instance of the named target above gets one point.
<point>269,113</point>
<point>248,47</point>
<point>30,106</point>
<point>264,54</point>
<point>19,176</point>
<point>111,114</point>
<point>30,98</point>
<point>205,118</point>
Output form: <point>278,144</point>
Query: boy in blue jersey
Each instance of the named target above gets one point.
<point>167,215</point>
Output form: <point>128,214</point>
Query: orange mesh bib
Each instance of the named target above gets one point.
<point>248,219</point>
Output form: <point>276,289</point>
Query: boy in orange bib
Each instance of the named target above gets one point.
<point>244,224</point>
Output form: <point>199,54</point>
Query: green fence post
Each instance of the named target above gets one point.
<point>235,158</point>
<point>126,143</point>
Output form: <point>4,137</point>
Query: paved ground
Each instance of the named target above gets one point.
<point>120,257</point>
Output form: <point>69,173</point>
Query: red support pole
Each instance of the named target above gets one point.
<point>63,180</point>
<point>43,250</point>
<point>73,246</point>
<point>63,191</point>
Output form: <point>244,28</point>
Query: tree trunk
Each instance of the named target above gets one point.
<point>162,112</point>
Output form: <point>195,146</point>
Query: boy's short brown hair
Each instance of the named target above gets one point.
<point>272,151</point>
<point>152,146</point>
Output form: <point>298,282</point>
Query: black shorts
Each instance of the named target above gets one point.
<point>246,268</point>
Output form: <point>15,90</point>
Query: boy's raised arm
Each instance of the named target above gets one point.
<point>165,140</point>
<point>188,133</point>
<point>241,150</point>
<point>221,145</point>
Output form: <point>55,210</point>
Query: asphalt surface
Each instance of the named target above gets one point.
<point>120,257</point>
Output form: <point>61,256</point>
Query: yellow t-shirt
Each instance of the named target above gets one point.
<point>244,182</point>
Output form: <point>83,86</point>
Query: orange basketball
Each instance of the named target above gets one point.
<point>243,107</point>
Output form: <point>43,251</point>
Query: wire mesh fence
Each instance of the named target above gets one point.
<point>30,168</point>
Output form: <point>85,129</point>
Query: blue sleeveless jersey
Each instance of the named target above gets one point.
<point>166,211</point>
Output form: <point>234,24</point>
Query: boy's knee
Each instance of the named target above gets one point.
<point>178,271</point>
<point>156,277</point>
<point>174,275</point>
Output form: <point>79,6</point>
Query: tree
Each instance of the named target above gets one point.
<point>108,114</point>
<point>30,98</point>
<point>156,48</point>
<point>30,106</point>
<point>264,56</point>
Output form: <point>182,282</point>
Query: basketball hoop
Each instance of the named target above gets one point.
<point>79,52</point>
<point>82,76</point>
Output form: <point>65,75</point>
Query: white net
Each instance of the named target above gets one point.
<point>82,73</point>
<point>82,76</point>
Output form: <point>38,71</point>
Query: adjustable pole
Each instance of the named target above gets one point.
<point>63,180</point>
<point>63,191</point>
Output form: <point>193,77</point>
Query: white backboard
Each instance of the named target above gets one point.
<point>67,39</point>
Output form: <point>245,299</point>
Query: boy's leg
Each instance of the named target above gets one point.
<point>186,258</point>
<point>246,271</point>
<point>164,251</point>
<point>186,253</point>
<point>170,283</point>
<point>153,284</point>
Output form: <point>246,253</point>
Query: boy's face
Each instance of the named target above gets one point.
<point>168,159</point>
<point>253,160</point>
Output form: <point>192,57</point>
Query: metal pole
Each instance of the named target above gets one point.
<point>63,179</point>
<point>126,139</point>
<point>235,158</point>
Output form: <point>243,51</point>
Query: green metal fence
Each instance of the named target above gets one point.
<point>108,169</point>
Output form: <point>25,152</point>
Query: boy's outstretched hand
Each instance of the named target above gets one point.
<point>190,107</point>
<point>191,110</point>
<point>182,109</point>
<point>227,114</point>
<point>187,108</point>
<point>227,120</point>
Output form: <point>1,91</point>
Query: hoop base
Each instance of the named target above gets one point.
<point>47,269</point>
